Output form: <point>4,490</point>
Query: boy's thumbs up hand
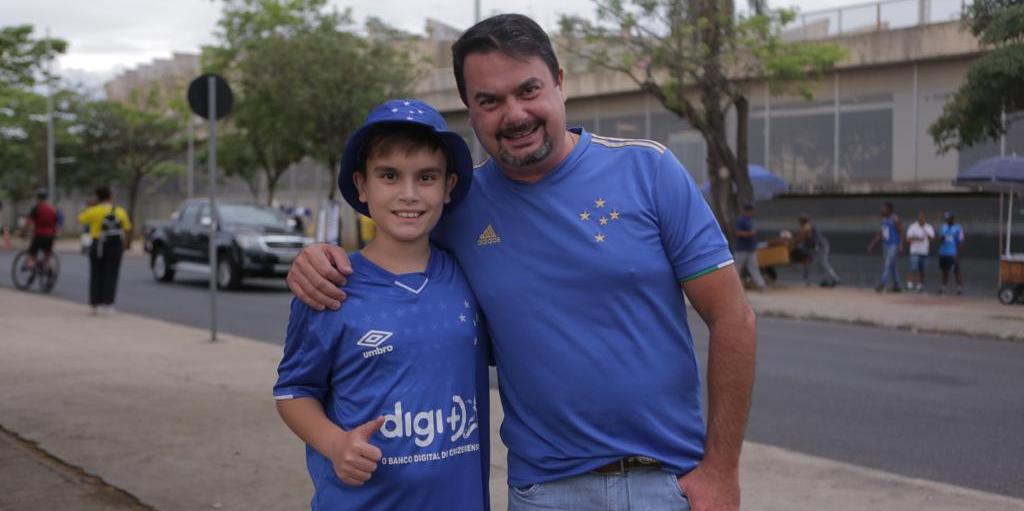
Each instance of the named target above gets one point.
<point>354,457</point>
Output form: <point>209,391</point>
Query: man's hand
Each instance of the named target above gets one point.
<point>710,490</point>
<point>316,274</point>
<point>353,456</point>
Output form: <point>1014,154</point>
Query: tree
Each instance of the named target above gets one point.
<point>693,55</point>
<point>22,111</point>
<point>235,156</point>
<point>23,137</point>
<point>22,58</point>
<point>122,143</point>
<point>993,85</point>
<point>303,81</point>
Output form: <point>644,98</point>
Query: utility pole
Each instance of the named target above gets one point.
<point>51,164</point>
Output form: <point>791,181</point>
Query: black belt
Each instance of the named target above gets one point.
<point>627,464</point>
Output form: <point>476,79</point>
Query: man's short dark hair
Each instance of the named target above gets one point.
<point>889,206</point>
<point>386,138</point>
<point>102,193</point>
<point>512,34</point>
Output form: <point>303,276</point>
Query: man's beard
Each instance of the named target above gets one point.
<point>538,155</point>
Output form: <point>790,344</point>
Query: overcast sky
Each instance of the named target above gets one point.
<point>107,36</point>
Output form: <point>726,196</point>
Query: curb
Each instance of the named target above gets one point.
<point>908,327</point>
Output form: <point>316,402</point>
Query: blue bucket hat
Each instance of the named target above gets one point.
<point>406,111</point>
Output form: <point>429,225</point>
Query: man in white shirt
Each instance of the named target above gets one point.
<point>919,236</point>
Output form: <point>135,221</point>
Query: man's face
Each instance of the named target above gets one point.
<point>920,217</point>
<point>885,210</point>
<point>517,110</point>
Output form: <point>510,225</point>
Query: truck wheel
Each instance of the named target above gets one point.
<point>229,276</point>
<point>160,266</point>
<point>1008,294</point>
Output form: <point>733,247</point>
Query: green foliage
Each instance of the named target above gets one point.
<point>692,55</point>
<point>23,137</point>
<point>123,144</point>
<point>22,57</point>
<point>303,81</point>
<point>993,84</point>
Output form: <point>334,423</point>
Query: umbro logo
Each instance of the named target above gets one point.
<point>489,237</point>
<point>374,339</point>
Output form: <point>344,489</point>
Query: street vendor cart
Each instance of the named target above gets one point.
<point>1004,175</point>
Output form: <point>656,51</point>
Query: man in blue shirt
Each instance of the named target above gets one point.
<point>891,236</point>
<point>580,249</point>
<point>951,238</point>
<point>746,246</point>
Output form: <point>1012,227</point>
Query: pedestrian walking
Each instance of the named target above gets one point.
<point>891,238</point>
<point>746,247</point>
<point>919,236</point>
<point>815,245</point>
<point>109,227</point>
<point>951,240</point>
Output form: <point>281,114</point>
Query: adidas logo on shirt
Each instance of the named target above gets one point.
<point>489,237</point>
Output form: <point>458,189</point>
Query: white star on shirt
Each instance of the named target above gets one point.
<point>599,203</point>
<point>466,303</point>
<point>462,318</point>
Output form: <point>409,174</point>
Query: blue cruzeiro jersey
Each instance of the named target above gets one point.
<point>579,278</point>
<point>950,236</point>
<point>408,347</point>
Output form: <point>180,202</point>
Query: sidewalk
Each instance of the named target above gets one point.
<point>927,313</point>
<point>155,415</point>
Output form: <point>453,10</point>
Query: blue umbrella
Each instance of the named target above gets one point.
<point>766,185</point>
<point>995,174</point>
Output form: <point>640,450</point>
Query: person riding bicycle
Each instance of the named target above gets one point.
<point>44,220</point>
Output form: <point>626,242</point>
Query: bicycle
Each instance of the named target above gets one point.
<point>24,277</point>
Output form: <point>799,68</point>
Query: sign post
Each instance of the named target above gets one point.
<point>210,98</point>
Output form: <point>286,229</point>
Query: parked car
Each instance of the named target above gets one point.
<point>252,241</point>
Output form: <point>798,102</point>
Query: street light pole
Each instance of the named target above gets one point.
<point>51,164</point>
<point>191,155</point>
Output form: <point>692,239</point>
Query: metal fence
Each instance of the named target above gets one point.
<point>870,17</point>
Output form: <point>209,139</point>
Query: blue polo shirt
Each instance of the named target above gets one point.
<point>579,276</point>
<point>411,348</point>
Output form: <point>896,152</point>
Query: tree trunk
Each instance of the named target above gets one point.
<point>741,174</point>
<point>332,183</point>
<point>133,195</point>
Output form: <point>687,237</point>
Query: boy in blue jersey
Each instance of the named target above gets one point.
<point>951,237</point>
<point>390,393</point>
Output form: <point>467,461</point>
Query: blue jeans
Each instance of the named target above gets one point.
<point>648,490</point>
<point>889,270</point>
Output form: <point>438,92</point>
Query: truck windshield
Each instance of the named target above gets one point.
<point>245,214</point>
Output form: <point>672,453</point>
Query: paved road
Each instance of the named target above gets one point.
<point>932,407</point>
<point>258,311</point>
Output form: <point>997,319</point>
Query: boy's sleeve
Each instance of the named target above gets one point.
<point>691,236</point>
<point>309,353</point>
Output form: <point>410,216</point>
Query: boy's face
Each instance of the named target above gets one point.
<point>405,192</point>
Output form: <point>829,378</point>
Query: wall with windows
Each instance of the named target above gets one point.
<point>864,128</point>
